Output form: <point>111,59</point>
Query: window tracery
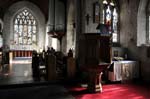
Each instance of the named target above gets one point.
<point>25,28</point>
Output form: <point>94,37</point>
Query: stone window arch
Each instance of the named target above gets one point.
<point>142,24</point>
<point>111,18</point>
<point>8,32</point>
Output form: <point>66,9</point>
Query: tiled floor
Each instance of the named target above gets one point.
<point>19,71</point>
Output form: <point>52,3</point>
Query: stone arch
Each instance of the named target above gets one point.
<point>71,36</point>
<point>10,15</point>
<point>141,23</point>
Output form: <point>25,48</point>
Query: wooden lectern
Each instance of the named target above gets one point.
<point>94,77</point>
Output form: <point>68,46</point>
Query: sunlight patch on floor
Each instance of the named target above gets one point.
<point>22,60</point>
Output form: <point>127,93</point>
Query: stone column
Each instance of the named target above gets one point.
<point>50,22</point>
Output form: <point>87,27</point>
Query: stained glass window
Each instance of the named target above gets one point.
<point>25,28</point>
<point>110,18</point>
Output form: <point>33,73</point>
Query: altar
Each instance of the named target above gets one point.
<point>21,53</point>
<point>21,50</point>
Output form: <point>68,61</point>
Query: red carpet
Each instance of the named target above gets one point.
<point>113,91</point>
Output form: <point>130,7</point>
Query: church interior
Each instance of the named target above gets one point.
<point>75,49</point>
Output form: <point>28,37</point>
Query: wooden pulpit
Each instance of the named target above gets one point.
<point>94,75</point>
<point>97,56</point>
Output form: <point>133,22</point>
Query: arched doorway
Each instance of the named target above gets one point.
<point>141,23</point>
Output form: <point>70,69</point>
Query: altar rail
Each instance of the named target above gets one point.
<point>21,53</point>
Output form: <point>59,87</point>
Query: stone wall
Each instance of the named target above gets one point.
<point>129,22</point>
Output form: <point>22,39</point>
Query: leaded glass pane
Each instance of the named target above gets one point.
<point>108,15</point>
<point>115,21</point>
<point>25,29</point>
<point>29,22</point>
<point>29,34</point>
<point>27,17</point>
<point>34,38</point>
<point>114,37</point>
<point>19,34</point>
<point>23,17</point>
<point>16,28</point>
<point>25,21</point>
<point>20,28</point>
<point>16,21</point>
<point>34,22</point>
<point>25,26</point>
<point>20,40</point>
<point>29,28</point>
<point>16,38</point>
<point>18,16</point>
<point>34,29</point>
<point>30,41</point>
<point>20,21</point>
